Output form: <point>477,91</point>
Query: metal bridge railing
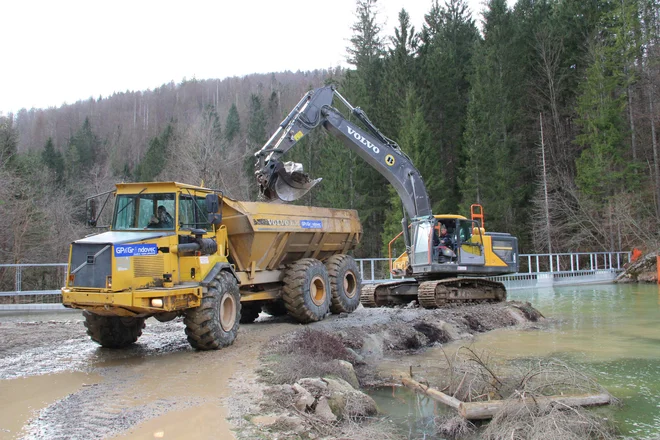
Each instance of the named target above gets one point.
<point>37,285</point>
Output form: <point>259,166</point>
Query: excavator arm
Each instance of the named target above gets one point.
<point>286,182</point>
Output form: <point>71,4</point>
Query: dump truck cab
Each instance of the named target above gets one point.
<point>165,257</point>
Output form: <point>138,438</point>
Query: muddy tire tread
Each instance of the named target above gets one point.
<point>294,290</point>
<point>337,266</point>
<point>113,331</point>
<point>203,327</point>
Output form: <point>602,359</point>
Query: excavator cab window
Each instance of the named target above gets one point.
<point>422,233</point>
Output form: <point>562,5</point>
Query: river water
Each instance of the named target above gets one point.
<point>609,331</point>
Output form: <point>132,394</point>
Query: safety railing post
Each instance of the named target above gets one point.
<point>17,279</point>
<point>529,263</point>
<point>373,276</point>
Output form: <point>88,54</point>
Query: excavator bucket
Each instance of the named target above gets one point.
<point>287,182</point>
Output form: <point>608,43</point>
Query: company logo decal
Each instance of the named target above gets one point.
<point>311,224</point>
<point>306,224</point>
<point>361,139</point>
<point>136,250</point>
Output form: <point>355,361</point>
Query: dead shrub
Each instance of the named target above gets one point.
<point>453,427</point>
<point>474,376</point>
<point>548,421</point>
<point>308,353</point>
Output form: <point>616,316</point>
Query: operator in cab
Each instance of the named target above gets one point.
<point>163,221</point>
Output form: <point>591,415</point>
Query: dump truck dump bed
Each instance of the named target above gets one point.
<point>266,236</point>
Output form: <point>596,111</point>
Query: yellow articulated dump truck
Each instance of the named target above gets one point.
<point>180,250</point>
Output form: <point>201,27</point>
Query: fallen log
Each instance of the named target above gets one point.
<point>486,410</point>
<point>432,393</point>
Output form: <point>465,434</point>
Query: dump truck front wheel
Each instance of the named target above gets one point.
<point>345,283</point>
<point>307,290</point>
<point>214,324</point>
<point>113,331</point>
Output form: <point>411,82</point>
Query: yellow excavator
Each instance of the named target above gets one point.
<point>433,271</point>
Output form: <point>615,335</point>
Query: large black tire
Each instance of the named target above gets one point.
<point>214,324</point>
<point>113,331</point>
<point>307,290</point>
<point>275,308</point>
<point>249,312</point>
<point>345,283</point>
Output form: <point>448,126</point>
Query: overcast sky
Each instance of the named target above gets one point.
<point>57,52</point>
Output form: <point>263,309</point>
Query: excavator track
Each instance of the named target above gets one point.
<point>368,296</point>
<point>434,294</point>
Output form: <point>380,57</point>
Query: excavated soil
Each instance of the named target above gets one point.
<point>57,384</point>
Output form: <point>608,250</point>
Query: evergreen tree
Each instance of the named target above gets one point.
<point>415,141</point>
<point>494,173</point>
<point>83,152</point>
<point>155,159</point>
<point>8,140</point>
<point>232,125</point>
<point>448,39</point>
<point>256,137</point>
<point>54,160</point>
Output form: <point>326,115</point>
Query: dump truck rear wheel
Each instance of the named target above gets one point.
<point>307,290</point>
<point>214,324</point>
<point>345,283</point>
<point>113,331</point>
<point>275,308</point>
<point>249,312</point>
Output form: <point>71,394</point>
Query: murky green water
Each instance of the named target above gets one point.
<point>611,332</point>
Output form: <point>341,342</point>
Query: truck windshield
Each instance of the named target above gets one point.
<point>144,211</point>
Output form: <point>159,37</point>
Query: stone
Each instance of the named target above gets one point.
<point>303,400</point>
<point>323,410</point>
<point>347,373</point>
<point>345,401</point>
<point>315,385</point>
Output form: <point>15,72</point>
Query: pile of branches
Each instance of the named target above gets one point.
<point>474,377</point>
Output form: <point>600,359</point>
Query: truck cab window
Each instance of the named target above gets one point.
<point>141,211</point>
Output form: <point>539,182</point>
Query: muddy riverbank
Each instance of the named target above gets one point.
<point>56,383</point>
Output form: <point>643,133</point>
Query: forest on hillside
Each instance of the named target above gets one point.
<point>546,114</point>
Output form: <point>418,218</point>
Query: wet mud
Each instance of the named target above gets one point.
<point>57,384</point>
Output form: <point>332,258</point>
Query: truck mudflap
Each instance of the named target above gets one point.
<point>433,294</point>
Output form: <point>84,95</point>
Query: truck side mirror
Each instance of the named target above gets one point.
<point>91,212</point>
<point>213,209</point>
